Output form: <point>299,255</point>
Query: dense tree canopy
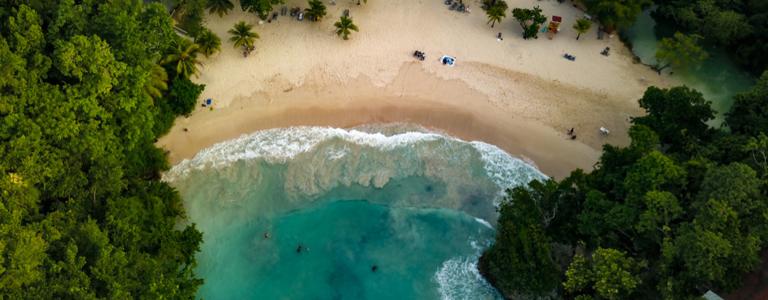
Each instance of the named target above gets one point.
<point>82,214</point>
<point>681,210</point>
<point>740,25</point>
<point>679,51</point>
<point>749,114</point>
<point>617,14</point>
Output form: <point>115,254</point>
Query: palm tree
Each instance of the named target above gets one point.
<point>184,56</point>
<point>582,26</point>
<point>242,36</point>
<point>316,10</point>
<point>219,7</point>
<point>209,43</point>
<point>496,13</point>
<point>157,82</point>
<point>344,27</point>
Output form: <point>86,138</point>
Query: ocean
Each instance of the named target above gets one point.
<point>375,212</point>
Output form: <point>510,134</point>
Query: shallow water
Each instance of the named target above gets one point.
<point>417,205</point>
<point>718,78</point>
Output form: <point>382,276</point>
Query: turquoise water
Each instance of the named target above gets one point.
<point>718,78</point>
<point>416,205</point>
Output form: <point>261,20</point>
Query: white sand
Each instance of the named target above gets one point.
<point>525,94</point>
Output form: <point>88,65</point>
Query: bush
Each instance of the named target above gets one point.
<point>183,95</point>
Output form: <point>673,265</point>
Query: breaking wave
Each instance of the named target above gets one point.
<point>317,149</point>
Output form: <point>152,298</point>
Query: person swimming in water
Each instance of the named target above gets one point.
<point>374,268</point>
<point>299,248</point>
<point>266,235</point>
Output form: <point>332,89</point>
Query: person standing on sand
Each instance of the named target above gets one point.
<point>499,38</point>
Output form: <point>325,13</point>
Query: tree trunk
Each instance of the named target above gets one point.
<point>578,36</point>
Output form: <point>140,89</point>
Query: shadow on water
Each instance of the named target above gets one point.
<point>718,78</point>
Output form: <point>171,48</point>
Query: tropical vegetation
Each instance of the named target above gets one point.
<point>316,10</point>
<point>242,36</point>
<point>261,7</point>
<point>617,14</point>
<point>530,20</point>
<point>739,26</point>
<point>679,51</point>
<point>182,58</point>
<point>208,43</point>
<point>189,15</point>
<point>219,7</point>
<point>83,214</point>
<point>344,27</point>
<point>582,26</point>
<point>681,210</point>
<point>496,10</point>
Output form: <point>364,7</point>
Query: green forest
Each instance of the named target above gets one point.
<point>86,87</point>
<point>680,211</point>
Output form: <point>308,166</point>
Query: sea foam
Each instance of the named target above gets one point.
<point>458,278</point>
<point>283,144</point>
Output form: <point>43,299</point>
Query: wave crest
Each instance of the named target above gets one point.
<point>319,159</point>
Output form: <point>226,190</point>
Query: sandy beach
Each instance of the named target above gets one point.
<point>520,95</point>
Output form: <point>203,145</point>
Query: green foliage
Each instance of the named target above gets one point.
<point>191,14</point>
<point>582,26</point>
<point>208,43</point>
<point>678,116</point>
<point>182,58</point>
<point>680,51</point>
<point>344,27</point>
<point>758,152</point>
<point>219,7</point>
<point>316,10</point>
<point>682,209</point>
<point>82,213</point>
<point>749,114</point>
<point>260,7</point>
<point>530,20</point>
<point>740,26</point>
<point>183,95</point>
<point>496,10</point>
<point>242,36</point>
<point>609,272</point>
<point>616,14</point>
<point>521,247</point>
<point>157,82</point>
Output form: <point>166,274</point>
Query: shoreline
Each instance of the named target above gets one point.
<point>519,95</point>
<point>359,102</point>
